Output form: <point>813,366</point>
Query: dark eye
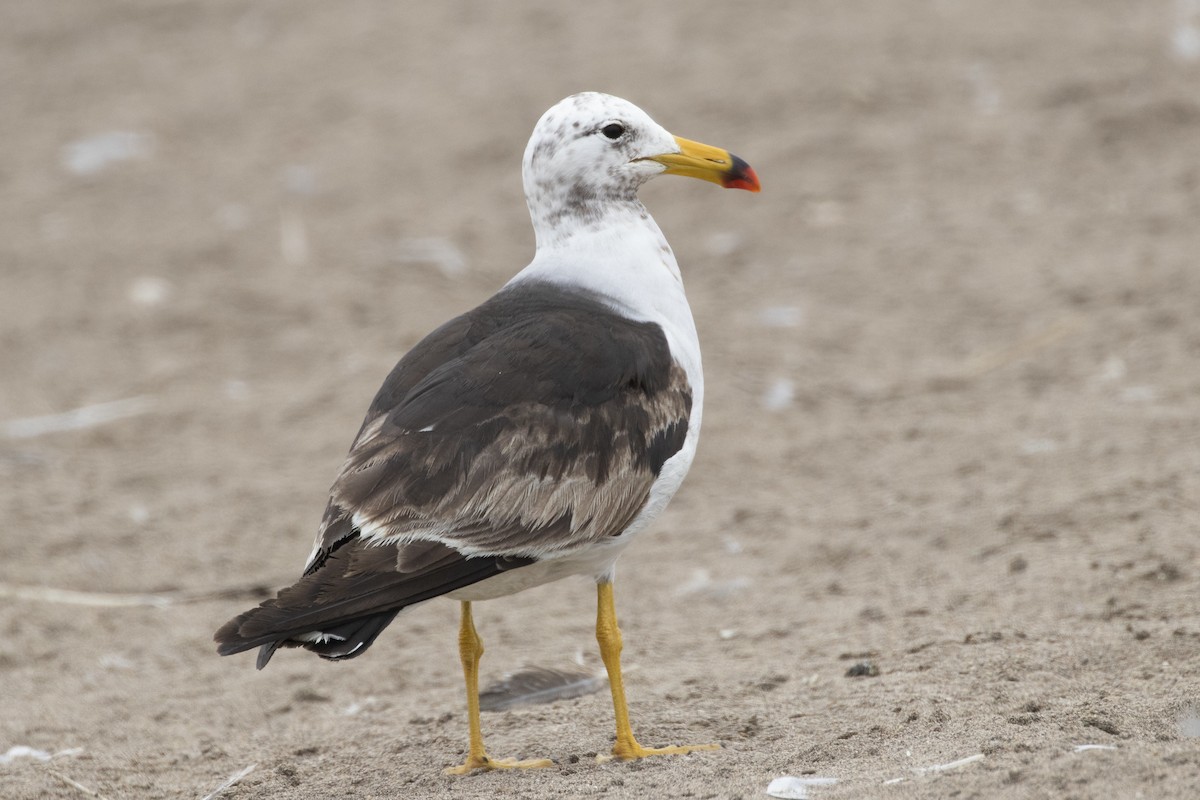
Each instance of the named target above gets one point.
<point>613,130</point>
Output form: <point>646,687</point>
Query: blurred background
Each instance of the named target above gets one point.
<point>952,355</point>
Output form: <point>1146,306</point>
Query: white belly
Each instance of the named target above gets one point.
<point>596,560</point>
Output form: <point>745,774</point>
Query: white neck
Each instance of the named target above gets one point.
<point>624,258</point>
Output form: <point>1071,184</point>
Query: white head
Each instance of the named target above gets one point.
<point>591,152</point>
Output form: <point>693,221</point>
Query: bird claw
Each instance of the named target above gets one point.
<point>631,751</point>
<point>485,762</point>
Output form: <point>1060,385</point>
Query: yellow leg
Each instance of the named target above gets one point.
<point>470,650</point>
<point>609,637</point>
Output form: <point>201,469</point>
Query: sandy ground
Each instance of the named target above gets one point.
<point>952,424</point>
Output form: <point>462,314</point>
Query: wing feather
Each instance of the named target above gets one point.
<point>533,425</point>
<point>542,436</point>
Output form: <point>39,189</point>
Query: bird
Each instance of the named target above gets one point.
<point>530,438</point>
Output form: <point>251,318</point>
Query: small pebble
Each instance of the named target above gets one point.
<point>789,787</point>
<point>863,669</point>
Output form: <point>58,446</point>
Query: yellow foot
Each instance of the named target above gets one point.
<point>630,751</point>
<point>486,762</point>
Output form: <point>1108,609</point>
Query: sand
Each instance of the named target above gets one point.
<point>952,426</point>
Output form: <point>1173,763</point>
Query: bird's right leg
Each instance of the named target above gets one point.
<point>608,634</point>
<point>470,650</point>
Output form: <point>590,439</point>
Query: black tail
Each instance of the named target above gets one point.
<point>338,609</point>
<point>341,641</point>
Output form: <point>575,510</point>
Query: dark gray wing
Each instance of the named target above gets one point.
<point>543,430</point>
<point>531,425</point>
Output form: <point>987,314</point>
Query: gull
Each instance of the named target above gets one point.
<point>531,438</point>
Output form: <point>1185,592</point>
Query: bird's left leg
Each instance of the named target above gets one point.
<point>608,635</point>
<point>470,650</point>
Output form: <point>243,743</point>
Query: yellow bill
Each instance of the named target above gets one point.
<point>708,163</point>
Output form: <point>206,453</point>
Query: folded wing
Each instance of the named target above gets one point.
<point>528,428</point>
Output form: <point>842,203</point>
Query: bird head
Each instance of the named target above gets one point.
<point>593,147</point>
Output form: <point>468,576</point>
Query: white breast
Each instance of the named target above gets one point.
<point>630,265</point>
